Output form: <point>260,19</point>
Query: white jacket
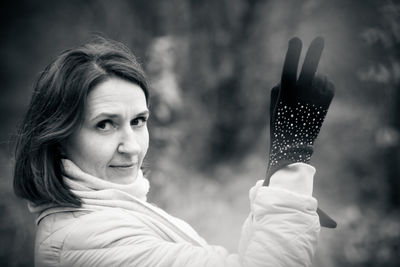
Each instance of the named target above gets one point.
<point>117,227</point>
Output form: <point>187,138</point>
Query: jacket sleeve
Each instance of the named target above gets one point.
<point>281,230</point>
<point>283,226</point>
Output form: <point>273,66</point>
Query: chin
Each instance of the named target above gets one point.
<point>125,180</point>
<point>122,179</point>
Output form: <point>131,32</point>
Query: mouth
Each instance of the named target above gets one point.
<point>123,166</point>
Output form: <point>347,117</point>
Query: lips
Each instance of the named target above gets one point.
<point>123,165</point>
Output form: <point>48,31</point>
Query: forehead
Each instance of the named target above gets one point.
<point>115,96</point>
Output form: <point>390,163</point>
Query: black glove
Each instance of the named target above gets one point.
<point>298,109</point>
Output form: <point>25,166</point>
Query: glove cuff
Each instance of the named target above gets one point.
<point>288,155</point>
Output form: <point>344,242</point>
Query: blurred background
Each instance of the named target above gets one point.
<point>211,65</point>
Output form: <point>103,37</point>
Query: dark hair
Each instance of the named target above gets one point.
<point>56,111</point>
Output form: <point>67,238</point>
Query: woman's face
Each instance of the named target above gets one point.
<point>113,139</point>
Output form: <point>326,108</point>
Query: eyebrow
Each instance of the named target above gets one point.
<point>113,115</point>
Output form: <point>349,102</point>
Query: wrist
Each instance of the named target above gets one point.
<point>290,153</point>
<point>296,177</point>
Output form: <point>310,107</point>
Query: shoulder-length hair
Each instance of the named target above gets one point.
<point>56,111</point>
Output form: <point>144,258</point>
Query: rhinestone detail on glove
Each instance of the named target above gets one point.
<point>294,132</point>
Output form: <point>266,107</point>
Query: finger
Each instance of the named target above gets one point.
<point>322,91</point>
<point>311,62</point>
<point>289,73</point>
<point>274,98</point>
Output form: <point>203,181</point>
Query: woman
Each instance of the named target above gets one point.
<point>79,156</point>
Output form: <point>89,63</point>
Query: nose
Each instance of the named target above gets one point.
<point>129,142</point>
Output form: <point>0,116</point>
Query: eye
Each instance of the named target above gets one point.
<point>138,122</point>
<point>105,125</point>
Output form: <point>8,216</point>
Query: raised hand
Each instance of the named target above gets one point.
<point>298,109</point>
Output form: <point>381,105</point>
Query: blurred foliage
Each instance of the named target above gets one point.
<point>211,65</point>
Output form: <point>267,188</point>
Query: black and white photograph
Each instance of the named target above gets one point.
<point>225,133</point>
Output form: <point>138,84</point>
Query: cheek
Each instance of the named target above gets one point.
<point>97,151</point>
<point>144,141</point>
<point>90,152</point>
